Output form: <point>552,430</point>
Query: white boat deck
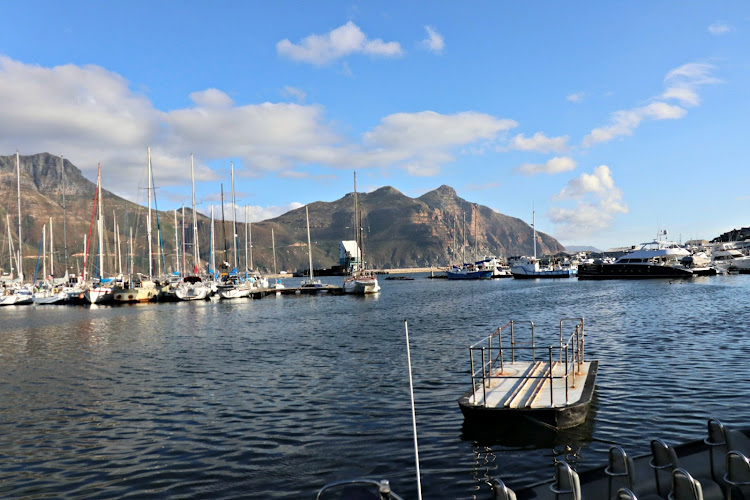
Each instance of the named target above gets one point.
<point>526,384</point>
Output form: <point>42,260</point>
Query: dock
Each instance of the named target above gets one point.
<point>325,289</point>
<point>519,381</point>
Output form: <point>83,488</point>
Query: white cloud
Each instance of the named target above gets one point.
<point>255,213</point>
<point>719,28</point>
<point>555,165</point>
<point>340,42</point>
<point>540,143</point>
<point>577,97</point>
<point>434,40</point>
<point>91,115</point>
<point>595,203</point>
<point>682,85</point>
<point>423,141</point>
<point>297,94</point>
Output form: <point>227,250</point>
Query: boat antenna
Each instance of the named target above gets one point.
<point>413,413</point>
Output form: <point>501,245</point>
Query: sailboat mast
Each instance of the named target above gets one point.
<point>463,247</point>
<point>273,245</point>
<point>234,219</point>
<point>176,244</point>
<point>65,216</point>
<point>117,242</point>
<point>20,240</point>
<point>358,254</point>
<point>224,225</point>
<point>184,262</point>
<point>250,233</point>
<point>533,224</point>
<point>99,222</point>
<point>195,223</point>
<point>211,256</point>
<point>44,253</point>
<point>148,217</point>
<point>10,245</point>
<point>309,244</point>
<point>476,232</point>
<point>51,250</point>
<point>246,268</point>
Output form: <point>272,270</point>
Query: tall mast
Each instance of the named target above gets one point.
<point>184,263</point>
<point>44,254</point>
<point>533,224</point>
<point>195,223</point>
<point>99,223</point>
<point>309,244</point>
<point>463,248</point>
<point>211,256</point>
<point>10,245</point>
<point>117,242</point>
<point>273,245</point>
<point>176,244</point>
<point>358,255</point>
<point>65,229</point>
<point>475,211</point>
<point>246,268</point>
<point>234,220</point>
<point>224,225</point>
<point>20,241</point>
<point>250,232</point>
<point>148,218</point>
<point>51,250</point>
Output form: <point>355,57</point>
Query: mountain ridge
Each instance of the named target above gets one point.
<point>399,231</point>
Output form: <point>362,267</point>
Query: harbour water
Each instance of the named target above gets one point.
<point>273,398</point>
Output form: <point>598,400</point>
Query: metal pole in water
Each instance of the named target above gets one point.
<point>413,413</point>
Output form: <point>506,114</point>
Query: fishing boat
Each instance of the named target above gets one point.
<point>469,271</point>
<point>516,381</point>
<point>531,268</point>
<point>362,281</point>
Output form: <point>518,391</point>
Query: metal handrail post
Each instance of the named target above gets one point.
<point>484,380</point>
<point>473,373</point>
<point>551,379</point>
<point>533,343</point>
<point>566,376</point>
<point>500,341</point>
<point>583,337</point>
<point>489,352</point>
<point>512,343</point>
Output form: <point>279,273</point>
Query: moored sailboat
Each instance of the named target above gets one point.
<point>361,281</point>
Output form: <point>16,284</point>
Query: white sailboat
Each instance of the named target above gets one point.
<point>139,287</point>
<point>310,283</point>
<point>193,287</point>
<point>530,267</point>
<point>361,281</point>
<point>99,292</point>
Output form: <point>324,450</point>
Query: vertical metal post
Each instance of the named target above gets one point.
<point>473,380</point>
<point>512,344</point>
<point>500,341</point>
<point>583,336</point>
<point>533,343</point>
<point>484,384</point>
<point>551,379</point>
<point>566,376</point>
<point>489,352</point>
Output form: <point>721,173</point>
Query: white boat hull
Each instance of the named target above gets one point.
<point>234,292</point>
<point>361,286</point>
<point>99,295</point>
<point>197,291</point>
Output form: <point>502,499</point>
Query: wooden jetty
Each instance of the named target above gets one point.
<point>325,289</point>
<point>515,382</point>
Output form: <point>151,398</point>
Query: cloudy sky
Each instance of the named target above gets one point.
<point>612,120</point>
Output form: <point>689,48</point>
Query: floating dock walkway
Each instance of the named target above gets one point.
<point>550,385</point>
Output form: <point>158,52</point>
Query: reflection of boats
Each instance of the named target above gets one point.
<point>713,467</point>
<point>513,381</point>
<point>658,259</point>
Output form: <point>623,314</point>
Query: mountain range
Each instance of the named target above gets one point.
<point>436,229</point>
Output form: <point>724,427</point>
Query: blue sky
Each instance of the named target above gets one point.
<point>612,120</point>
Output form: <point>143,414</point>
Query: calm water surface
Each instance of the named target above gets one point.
<point>274,398</point>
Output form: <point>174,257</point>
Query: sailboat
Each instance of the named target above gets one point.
<point>470,270</point>
<point>140,288</point>
<point>20,294</point>
<point>310,283</point>
<point>193,287</point>
<point>361,282</point>
<point>530,267</point>
<point>99,292</point>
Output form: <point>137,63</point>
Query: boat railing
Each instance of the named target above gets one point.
<point>492,352</point>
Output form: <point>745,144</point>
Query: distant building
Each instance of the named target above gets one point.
<point>349,255</point>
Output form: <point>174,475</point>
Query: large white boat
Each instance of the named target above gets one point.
<point>657,259</point>
<point>192,288</point>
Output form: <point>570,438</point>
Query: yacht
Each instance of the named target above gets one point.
<point>657,259</point>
